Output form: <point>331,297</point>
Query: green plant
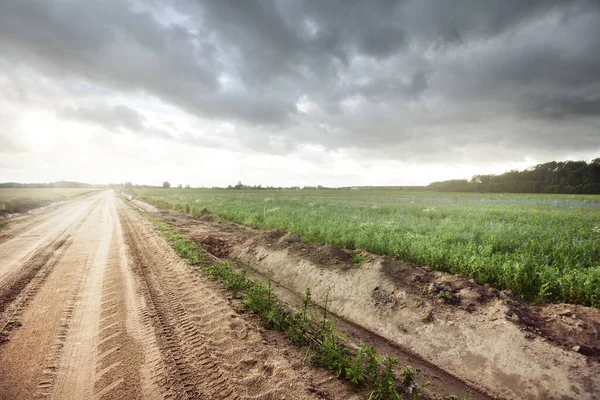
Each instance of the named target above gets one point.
<point>446,297</point>
<point>356,258</point>
<point>185,248</point>
<point>232,279</point>
<point>355,372</point>
<point>409,381</point>
<point>330,353</point>
<point>372,368</point>
<point>386,387</point>
<point>306,302</point>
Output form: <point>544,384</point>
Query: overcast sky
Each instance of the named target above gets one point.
<point>294,92</point>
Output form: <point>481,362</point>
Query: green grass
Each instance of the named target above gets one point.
<point>545,248</point>
<point>356,258</point>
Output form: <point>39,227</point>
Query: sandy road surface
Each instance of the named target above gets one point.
<point>95,304</point>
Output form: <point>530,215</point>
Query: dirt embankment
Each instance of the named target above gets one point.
<point>96,304</point>
<point>483,337</point>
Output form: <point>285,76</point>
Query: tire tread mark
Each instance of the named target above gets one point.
<point>175,333</point>
<point>21,286</point>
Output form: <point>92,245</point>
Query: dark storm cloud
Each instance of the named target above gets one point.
<point>398,78</point>
<point>108,43</point>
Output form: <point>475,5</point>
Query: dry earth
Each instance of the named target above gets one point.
<point>471,337</point>
<point>94,303</point>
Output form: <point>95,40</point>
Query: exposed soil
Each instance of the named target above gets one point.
<point>484,338</point>
<point>96,304</point>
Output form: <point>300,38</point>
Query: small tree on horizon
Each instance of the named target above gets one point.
<point>166,185</point>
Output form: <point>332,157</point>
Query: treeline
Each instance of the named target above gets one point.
<point>241,186</point>
<point>571,177</point>
<point>129,186</point>
<point>59,184</point>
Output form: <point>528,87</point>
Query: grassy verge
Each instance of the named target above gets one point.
<point>4,225</point>
<point>375,376</point>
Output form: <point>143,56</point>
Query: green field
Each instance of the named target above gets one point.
<point>24,199</point>
<point>545,248</point>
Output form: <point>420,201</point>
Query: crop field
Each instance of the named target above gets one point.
<point>545,248</point>
<point>23,199</point>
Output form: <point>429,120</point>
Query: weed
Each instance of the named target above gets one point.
<point>329,352</point>
<point>372,368</point>
<point>409,378</point>
<point>446,297</point>
<point>386,387</point>
<point>356,258</point>
<point>4,225</point>
<point>231,279</point>
<point>325,308</point>
<point>355,372</point>
<point>185,248</point>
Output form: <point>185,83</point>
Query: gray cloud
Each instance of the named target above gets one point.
<point>107,116</point>
<point>114,118</point>
<point>418,79</point>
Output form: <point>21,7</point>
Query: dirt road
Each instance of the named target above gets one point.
<point>95,304</point>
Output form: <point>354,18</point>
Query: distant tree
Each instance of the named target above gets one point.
<point>239,185</point>
<point>187,186</point>
<point>166,185</point>
<point>179,186</point>
<point>551,177</point>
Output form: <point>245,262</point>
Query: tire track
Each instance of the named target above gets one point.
<point>194,372</point>
<point>118,354</point>
<point>14,298</point>
<point>108,348</point>
<point>18,250</point>
<point>81,277</point>
<point>258,369</point>
<point>43,307</point>
<point>20,286</point>
<point>232,349</point>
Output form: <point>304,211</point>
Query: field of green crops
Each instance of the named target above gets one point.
<point>545,248</point>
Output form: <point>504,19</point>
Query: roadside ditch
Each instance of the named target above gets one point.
<point>463,337</point>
